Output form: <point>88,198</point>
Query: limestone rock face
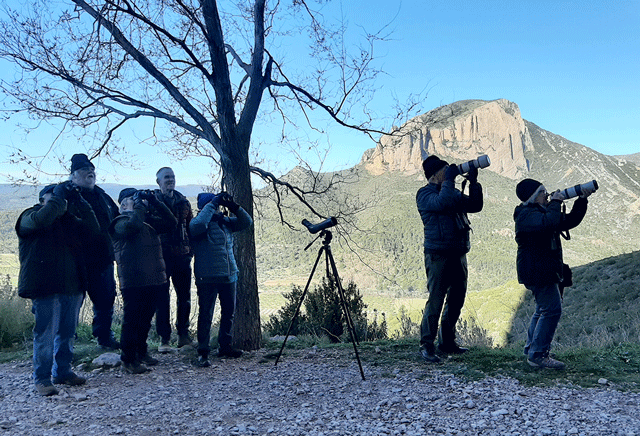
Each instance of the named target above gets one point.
<point>457,133</point>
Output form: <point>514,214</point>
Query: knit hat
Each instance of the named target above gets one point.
<point>126,192</point>
<point>204,198</point>
<point>80,161</point>
<point>527,188</point>
<point>46,190</point>
<point>432,165</point>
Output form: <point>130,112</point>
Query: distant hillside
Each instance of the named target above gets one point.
<point>635,158</point>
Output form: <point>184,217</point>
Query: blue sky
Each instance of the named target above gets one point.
<point>571,66</point>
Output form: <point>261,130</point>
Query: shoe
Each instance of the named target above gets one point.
<point>110,345</point>
<point>149,360</point>
<point>203,362</point>
<point>134,368</point>
<point>429,354</point>
<point>452,349</point>
<point>70,380</point>
<point>184,340</point>
<point>545,362</point>
<point>46,390</point>
<point>164,348</point>
<point>229,352</point>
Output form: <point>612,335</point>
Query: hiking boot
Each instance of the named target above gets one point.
<point>229,352</point>
<point>429,354</point>
<point>545,362</point>
<point>46,390</point>
<point>134,368</point>
<point>70,380</point>
<point>149,360</point>
<point>203,362</point>
<point>165,348</point>
<point>109,345</point>
<point>452,348</point>
<point>184,340</point>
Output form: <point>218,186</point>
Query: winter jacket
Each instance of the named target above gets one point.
<point>50,246</point>
<point>539,260</point>
<point>175,243</point>
<point>212,241</point>
<point>137,246</point>
<point>443,210</point>
<point>99,248</point>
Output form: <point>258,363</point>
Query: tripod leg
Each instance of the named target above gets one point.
<point>304,293</point>
<point>345,309</point>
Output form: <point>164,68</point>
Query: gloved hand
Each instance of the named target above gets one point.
<point>451,173</point>
<point>472,175</point>
<point>138,201</point>
<point>226,200</point>
<point>60,191</point>
<point>557,195</point>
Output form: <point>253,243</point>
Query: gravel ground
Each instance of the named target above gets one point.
<point>312,392</point>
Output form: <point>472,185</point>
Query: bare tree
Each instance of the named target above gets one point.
<point>199,70</point>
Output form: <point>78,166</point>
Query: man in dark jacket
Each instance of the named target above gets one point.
<point>215,269</point>
<point>538,224</point>
<point>53,275</point>
<point>98,250</point>
<point>443,210</point>
<point>177,254</point>
<point>141,270</point>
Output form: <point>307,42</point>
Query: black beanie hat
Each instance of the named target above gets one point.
<point>46,190</point>
<point>432,165</point>
<point>126,192</point>
<point>80,161</point>
<point>526,188</point>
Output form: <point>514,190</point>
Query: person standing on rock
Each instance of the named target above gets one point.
<point>141,270</point>
<point>98,250</point>
<point>215,269</point>
<point>443,210</point>
<point>538,225</point>
<point>53,275</point>
<point>177,253</point>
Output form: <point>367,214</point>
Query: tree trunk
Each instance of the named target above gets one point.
<point>246,326</point>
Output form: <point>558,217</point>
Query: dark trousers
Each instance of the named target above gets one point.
<point>207,293</point>
<point>446,278</point>
<point>102,291</point>
<point>139,307</point>
<point>180,275</point>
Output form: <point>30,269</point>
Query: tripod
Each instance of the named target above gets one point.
<point>326,248</point>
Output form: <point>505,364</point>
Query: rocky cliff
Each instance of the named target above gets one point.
<point>457,132</point>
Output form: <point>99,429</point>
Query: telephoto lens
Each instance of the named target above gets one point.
<point>577,190</point>
<point>481,162</point>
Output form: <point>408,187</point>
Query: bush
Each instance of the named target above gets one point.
<point>323,314</point>
<point>16,319</point>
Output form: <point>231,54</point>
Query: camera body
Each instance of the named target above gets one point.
<point>577,190</point>
<point>481,162</point>
<point>315,228</point>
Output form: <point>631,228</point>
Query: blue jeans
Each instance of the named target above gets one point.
<point>207,293</point>
<point>53,334</point>
<point>544,320</point>
<point>446,278</point>
<point>102,291</point>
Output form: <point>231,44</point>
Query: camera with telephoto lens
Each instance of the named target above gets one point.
<point>315,228</point>
<point>577,190</point>
<point>481,162</point>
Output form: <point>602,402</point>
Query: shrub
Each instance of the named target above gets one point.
<point>323,314</point>
<point>16,320</point>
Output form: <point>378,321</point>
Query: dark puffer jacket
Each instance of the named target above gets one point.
<point>51,252</point>
<point>212,241</point>
<point>137,246</point>
<point>443,210</point>
<point>539,260</point>
<point>98,249</point>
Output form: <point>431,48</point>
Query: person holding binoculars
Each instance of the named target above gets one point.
<point>215,269</point>
<point>443,210</point>
<point>539,221</point>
